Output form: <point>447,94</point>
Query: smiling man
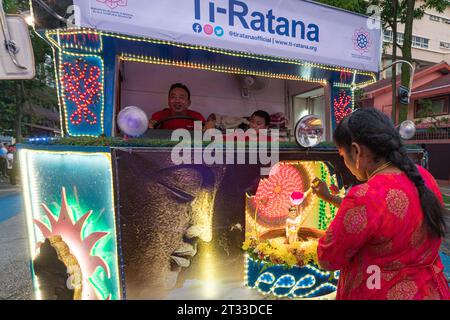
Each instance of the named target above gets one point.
<point>177,115</point>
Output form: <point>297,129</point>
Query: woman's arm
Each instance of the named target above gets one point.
<point>335,201</point>
<point>320,189</point>
<point>355,223</point>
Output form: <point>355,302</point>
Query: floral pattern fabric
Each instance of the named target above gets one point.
<point>381,224</point>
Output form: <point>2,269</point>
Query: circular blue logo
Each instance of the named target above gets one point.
<point>362,41</point>
<point>218,31</point>
<point>197,27</point>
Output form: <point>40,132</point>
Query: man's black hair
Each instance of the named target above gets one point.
<point>263,114</point>
<point>181,86</point>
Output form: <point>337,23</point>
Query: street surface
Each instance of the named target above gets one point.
<point>15,279</point>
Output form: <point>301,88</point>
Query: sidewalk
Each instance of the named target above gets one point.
<point>15,276</point>
<point>6,188</point>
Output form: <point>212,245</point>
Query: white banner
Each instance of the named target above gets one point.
<point>283,28</point>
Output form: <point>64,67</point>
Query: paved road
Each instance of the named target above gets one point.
<point>15,280</point>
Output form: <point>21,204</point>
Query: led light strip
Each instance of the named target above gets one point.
<point>84,48</point>
<point>32,203</point>
<point>60,100</point>
<point>216,68</point>
<point>210,49</point>
<point>308,167</point>
<point>25,174</point>
<point>102,96</point>
<point>291,292</point>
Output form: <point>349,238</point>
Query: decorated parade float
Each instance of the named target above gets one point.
<point>114,217</point>
<point>281,244</point>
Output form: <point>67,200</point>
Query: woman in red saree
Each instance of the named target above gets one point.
<point>386,235</point>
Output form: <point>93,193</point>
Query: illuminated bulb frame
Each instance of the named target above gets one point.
<point>78,47</point>
<point>308,166</point>
<point>216,68</point>
<point>58,92</point>
<point>50,34</point>
<point>332,207</point>
<point>310,169</point>
<point>327,210</point>
<point>271,291</point>
<point>322,204</point>
<point>32,206</point>
<point>57,32</point>
<point>63,54</point>
<point>337,97</point>
<point>346,87</point>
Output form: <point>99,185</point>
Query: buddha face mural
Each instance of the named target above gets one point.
<point>165,211</point>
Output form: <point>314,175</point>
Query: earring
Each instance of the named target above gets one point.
<point>357,163</point>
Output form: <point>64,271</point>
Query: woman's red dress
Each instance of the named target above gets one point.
<point>381,244</point>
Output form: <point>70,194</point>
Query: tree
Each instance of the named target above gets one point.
<point>426,115</point>
<point>359,6</point>
<point>18,96</point>
<point>408,11</point>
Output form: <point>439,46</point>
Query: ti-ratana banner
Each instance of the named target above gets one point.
<point>292,29</point>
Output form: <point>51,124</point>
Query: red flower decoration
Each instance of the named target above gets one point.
<point>83,87</point>
<point>341,106</point>
<point>273,197</point>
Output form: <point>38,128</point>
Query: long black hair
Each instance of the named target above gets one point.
<point>375,130</point>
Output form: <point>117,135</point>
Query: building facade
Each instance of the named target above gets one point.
<point>431,41</point>
<point>429,109</point>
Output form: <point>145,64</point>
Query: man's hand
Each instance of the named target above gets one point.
<point>151,124</point>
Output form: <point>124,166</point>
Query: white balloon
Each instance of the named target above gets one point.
<point>132,121</point>
<point>407,129</point>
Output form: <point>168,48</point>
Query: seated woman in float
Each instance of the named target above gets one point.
<point>258,126</point>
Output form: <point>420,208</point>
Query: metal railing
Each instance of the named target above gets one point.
<point>439,134</point>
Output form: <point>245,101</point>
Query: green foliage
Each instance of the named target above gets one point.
<point>7,107</point>
<point>15,6</point>
<point>427,113</point>
<point>161,143</point>
<point>426,108</point>
<point>407,12</point>
<point>446,200</point>
<point>387,14</point>
<point>359,6</point>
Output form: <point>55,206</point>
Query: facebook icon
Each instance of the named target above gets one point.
<point>197,27</point>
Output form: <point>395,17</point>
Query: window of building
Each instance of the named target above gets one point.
<point>400,38</point>
<point>388,71</point>
<point>420,42</point>
<point>444,45</point>
<point>431,107</point>
<point>434,18</point>
<point>389,36</point>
